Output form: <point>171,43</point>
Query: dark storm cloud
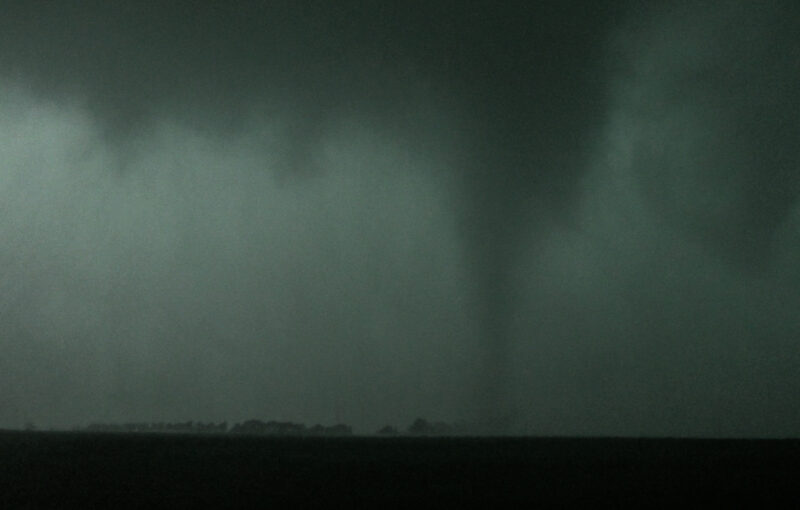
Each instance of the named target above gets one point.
<point>567,218</point>
<point>718,118</point>
<point>195,284</point>
<point>667,303</point>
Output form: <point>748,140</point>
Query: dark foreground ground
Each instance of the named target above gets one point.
<point>49,469</point>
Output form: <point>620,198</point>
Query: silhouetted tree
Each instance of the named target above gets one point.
<point>419,427</point>
<point>388,430</point>
<point>422,427</point>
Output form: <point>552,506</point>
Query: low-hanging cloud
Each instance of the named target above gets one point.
<point>194,284</point>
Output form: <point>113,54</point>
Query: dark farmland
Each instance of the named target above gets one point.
<point>58,469</point>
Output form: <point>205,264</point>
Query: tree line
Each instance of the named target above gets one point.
<point>419,427</point>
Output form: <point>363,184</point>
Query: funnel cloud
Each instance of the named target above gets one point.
<point>526,218</point>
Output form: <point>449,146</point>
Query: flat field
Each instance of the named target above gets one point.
<point>73,469</point>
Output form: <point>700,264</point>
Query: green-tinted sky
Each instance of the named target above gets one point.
<point>536,217</point>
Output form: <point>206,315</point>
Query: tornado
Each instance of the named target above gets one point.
<point>536,109</point>
<point>520,85</point>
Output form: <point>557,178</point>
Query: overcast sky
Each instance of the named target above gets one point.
<point>540,218</point>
